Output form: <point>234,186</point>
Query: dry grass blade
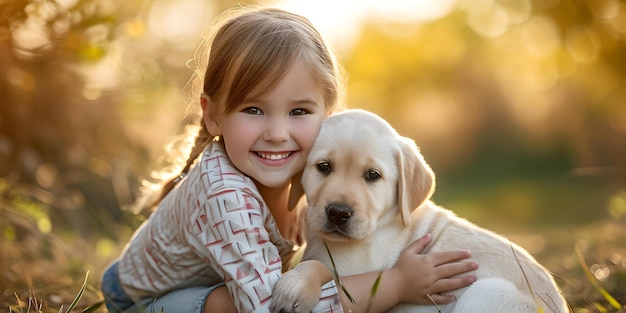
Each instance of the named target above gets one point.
<point>530,288</point>
<point>332,261</point>
<point>434,303</point>
<point>78,296</point>
<point>34,305</point>
<point>17,307</point>
<point>373,291</point>
<point>614,303</point>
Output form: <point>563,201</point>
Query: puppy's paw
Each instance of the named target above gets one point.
<point>295,292</point>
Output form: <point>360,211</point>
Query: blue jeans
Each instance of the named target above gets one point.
<point>189,299</point>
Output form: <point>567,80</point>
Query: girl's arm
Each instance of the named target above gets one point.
<point>239,240</point>
<point>229,233</point>
<point>413,279</point>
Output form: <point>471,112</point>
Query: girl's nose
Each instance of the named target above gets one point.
<point>276,131</point>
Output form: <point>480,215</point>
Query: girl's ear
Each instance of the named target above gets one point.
<point>210,115</point>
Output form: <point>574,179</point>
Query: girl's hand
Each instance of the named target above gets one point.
<point>421,276</point>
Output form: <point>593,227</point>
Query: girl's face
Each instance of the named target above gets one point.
<point>268,138</point>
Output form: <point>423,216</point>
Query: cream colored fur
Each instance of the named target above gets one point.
<point>387,214</point>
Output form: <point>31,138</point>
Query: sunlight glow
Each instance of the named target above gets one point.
<point>600,271</point>
<point>341,21</point>
<point>540,37</point>
<point>30,36</point>
<point>491,18</point>
<point>582,44</point>
<point>408,11</point>
<point>181,20</point>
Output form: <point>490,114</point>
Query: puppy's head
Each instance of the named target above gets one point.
<point>361,175</point>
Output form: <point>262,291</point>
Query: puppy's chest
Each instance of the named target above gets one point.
<point>365,258</point>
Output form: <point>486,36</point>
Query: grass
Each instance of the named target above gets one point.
<point>47,270</point>
<point>35,305</point>
<point>593,275</point>
<point>598,287</point>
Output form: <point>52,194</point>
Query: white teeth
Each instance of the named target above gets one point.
<point>274,156</point>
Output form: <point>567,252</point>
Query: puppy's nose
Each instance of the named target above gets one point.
<point>338,213</point>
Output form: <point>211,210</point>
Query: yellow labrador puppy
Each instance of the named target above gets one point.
<point>368,191</point>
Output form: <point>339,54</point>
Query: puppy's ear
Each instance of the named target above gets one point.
<point>295,192</point>
<point>416,182</point>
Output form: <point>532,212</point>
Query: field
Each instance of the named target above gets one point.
<point>43,269</point>
<point>517,105</point>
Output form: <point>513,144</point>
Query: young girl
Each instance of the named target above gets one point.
<point>222,232</point>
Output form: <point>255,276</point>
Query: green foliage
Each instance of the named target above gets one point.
<point>613,303</point>
<point>62,141</point>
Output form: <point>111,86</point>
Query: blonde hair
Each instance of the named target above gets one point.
<point>245,53</point>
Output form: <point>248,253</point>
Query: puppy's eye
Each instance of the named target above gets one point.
<point>324,167</point>
<point>372,175</point>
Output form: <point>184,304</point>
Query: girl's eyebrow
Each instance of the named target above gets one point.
<point>300,101</point>
<point>251,101</point>
<point>305,101</point>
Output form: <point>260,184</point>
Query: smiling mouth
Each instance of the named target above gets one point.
<point>273,156</point>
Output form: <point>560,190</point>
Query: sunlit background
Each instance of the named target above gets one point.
<point>518,105</point>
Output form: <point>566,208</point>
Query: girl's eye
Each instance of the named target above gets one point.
<point>372,175</point>
<point>297,112</point>
<point>324,167</point>
<point>252,111</point>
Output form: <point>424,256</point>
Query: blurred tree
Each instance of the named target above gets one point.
<point>503,90</point>
<point>62,141</point>
<point>90,88</point>
<point>90,91</point>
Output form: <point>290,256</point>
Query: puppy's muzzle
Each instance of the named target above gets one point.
<point>338,213</point>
